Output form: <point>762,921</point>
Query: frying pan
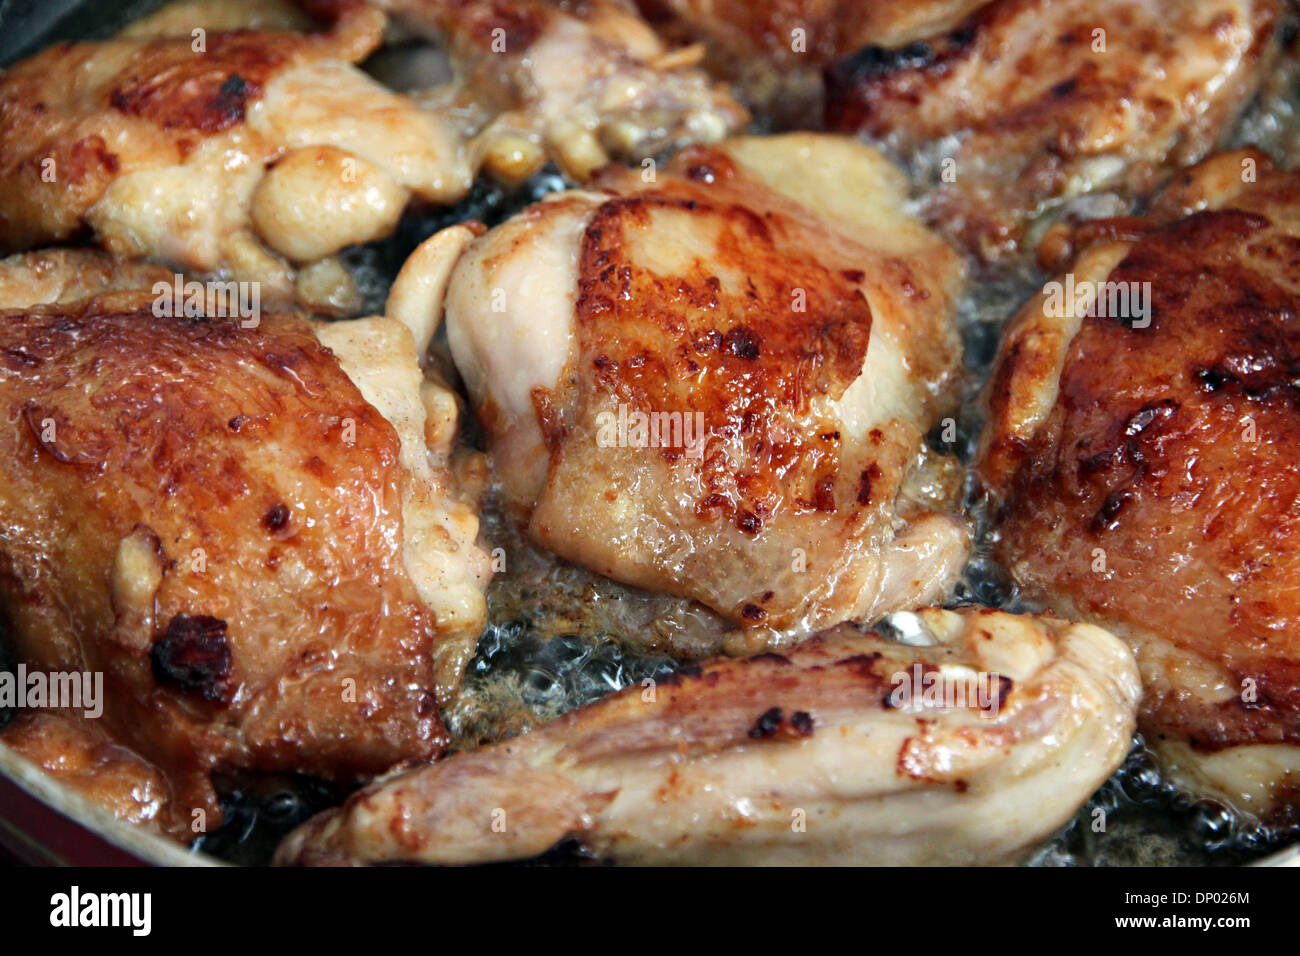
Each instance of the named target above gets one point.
<point>40,821</point>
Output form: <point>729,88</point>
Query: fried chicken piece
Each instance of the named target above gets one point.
<point>1140,450</point>
<point>795,32</point>
<point>252,154</point>
<point>1028,103</point>
<point>252,529</point>
<point>775,50</point>
<point>181,18</point>
<point>832,753</point>
<point>581,83</point>
<point>259,154</point>
<point>789,327</point>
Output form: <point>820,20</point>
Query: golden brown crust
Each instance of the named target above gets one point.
<point>211,516</point>
<point>685,344</point>
<point>1159,488</point>
<point>175,90</point>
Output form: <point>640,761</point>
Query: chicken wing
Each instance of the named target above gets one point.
<point>250,528</point>
<point>1028,103</point>
<point>1141,453</point>
<point>714,381</point>
<point>848,749</point>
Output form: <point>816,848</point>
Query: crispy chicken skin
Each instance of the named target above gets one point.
<point>811,756</point>
<point>772,296</point>
<point>253,535</point>
<point>1144,475</point>
<point>1030,102</point>
<point>199,151</point>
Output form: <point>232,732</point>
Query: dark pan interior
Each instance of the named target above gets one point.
<point>29,25</point>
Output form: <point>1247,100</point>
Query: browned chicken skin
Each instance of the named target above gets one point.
<point>798,341</point>
<point>815,755</point>
<point>794,32</point>
<point>775,50</point>
<point>268,569</point>
<point>1029,102</point>
<point>1145,474</point>
<point>264,153</point>
<point>161,144</point>
<point>257,533</point>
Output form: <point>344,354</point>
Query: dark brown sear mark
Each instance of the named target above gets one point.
<point>1107,516</point>
<point>173,87</point>
<point>193,657</point>
<point>768,723</point>
<point>773,724</point>
<point>742,343</point>
<point>866,481</point>
<point>276,517</point>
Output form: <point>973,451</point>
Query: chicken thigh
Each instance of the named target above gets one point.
<point>198,150</point>
<point>1140,451</point>
<point>1028,103</point>
<point>582,83</point>
<point>251,529</point>
<point>792,32</point>
<point>847,749</point>
<point>775,50</point>
<point>715,380</point>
